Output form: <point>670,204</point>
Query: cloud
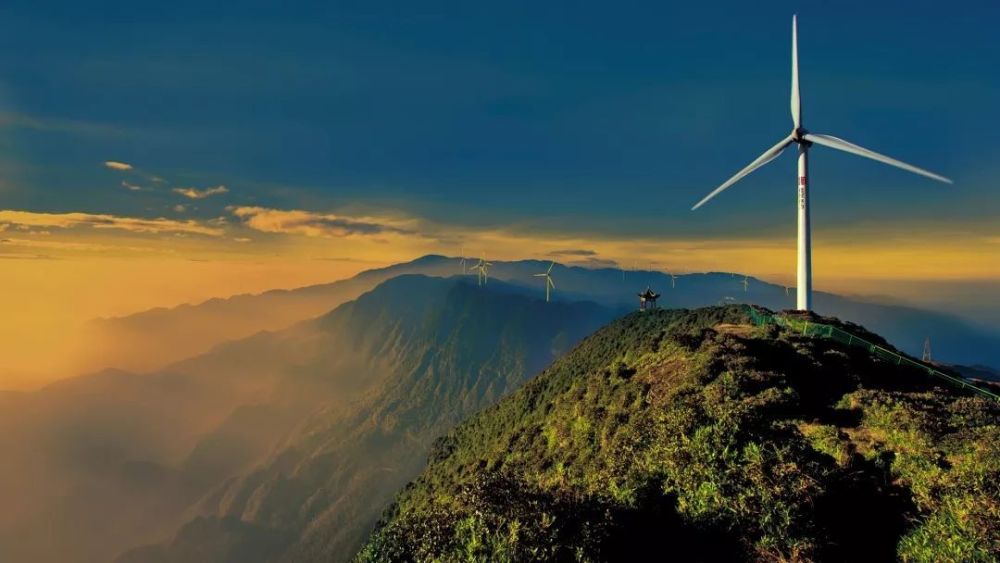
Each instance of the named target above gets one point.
<point>50,124</point>
<point>573,252</point>
<point>195,193</point>
<point>131,187</point>
<point>115,165</point>
<point>27,220</point>
<point>313,224</point>
<point>179,208</point>
<point>243,239</point>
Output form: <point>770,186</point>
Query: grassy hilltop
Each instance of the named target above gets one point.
<point>697,436</point>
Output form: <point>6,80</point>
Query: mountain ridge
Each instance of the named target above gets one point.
<point>721,439</point>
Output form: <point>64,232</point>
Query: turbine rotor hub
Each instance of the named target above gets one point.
<point>798,136</point>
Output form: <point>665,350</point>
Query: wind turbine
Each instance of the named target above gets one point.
<point>673,281</point>
<point>484,270</point>
<point>462,262</point>
<point>746,284</point>
<point>805,140</point>
<point>478,268</point>
<point>549,284</point>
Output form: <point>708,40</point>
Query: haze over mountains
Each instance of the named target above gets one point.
<point>111,461</point>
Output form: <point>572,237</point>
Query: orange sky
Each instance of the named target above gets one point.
<point>60,270</point>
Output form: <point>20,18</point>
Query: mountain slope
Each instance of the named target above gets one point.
<point>153,339</point>
<point>696,435</point>
<point>97,464</point>
<point>447,349</point>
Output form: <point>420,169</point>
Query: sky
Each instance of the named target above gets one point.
<point>160,153</point>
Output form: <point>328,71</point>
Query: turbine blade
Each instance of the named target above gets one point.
<point>551,283</point>
<point>550,267</point>
<point>796,102</point>
<point>539,275</point>
<point>769,155</point>
<point>840,144</point>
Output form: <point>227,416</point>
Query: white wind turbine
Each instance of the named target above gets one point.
<point>482,269</point>
<point>463,262</point>
<point>549,284</point>
<point>804,140</point>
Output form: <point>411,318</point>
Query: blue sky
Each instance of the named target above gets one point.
<point>153,154</point>
<point>581,115</point>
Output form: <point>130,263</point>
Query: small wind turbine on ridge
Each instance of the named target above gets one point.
<point>805,140</point>
<point>482,270</point>
<point>549,284</point>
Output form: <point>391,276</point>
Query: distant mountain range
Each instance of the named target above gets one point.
<point>156,338</point>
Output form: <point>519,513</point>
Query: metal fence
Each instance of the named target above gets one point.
<point>808,328</point>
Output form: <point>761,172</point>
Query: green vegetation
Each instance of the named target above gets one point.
<point>698,435</point>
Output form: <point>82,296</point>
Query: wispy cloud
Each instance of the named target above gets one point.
<point>28,219</point>
<point>132,187</point>
<point>116,165</point>
<point>573,252</point>
<point>60,125</point>
<point>195,193</point>
<point>179,208</point>
<point>314,224</point>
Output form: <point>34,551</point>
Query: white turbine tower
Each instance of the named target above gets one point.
<point>549,284</point>
<point>804,140</point>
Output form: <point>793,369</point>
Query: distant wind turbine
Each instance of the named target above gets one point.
<point>463,261</point>
<point>484,269</point>
<point>673,281</point>
<point>746,284</point>
<point>804,140</point>
<point>549,284</point>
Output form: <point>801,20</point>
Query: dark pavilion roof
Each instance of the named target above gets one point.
<point>648,294</point>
